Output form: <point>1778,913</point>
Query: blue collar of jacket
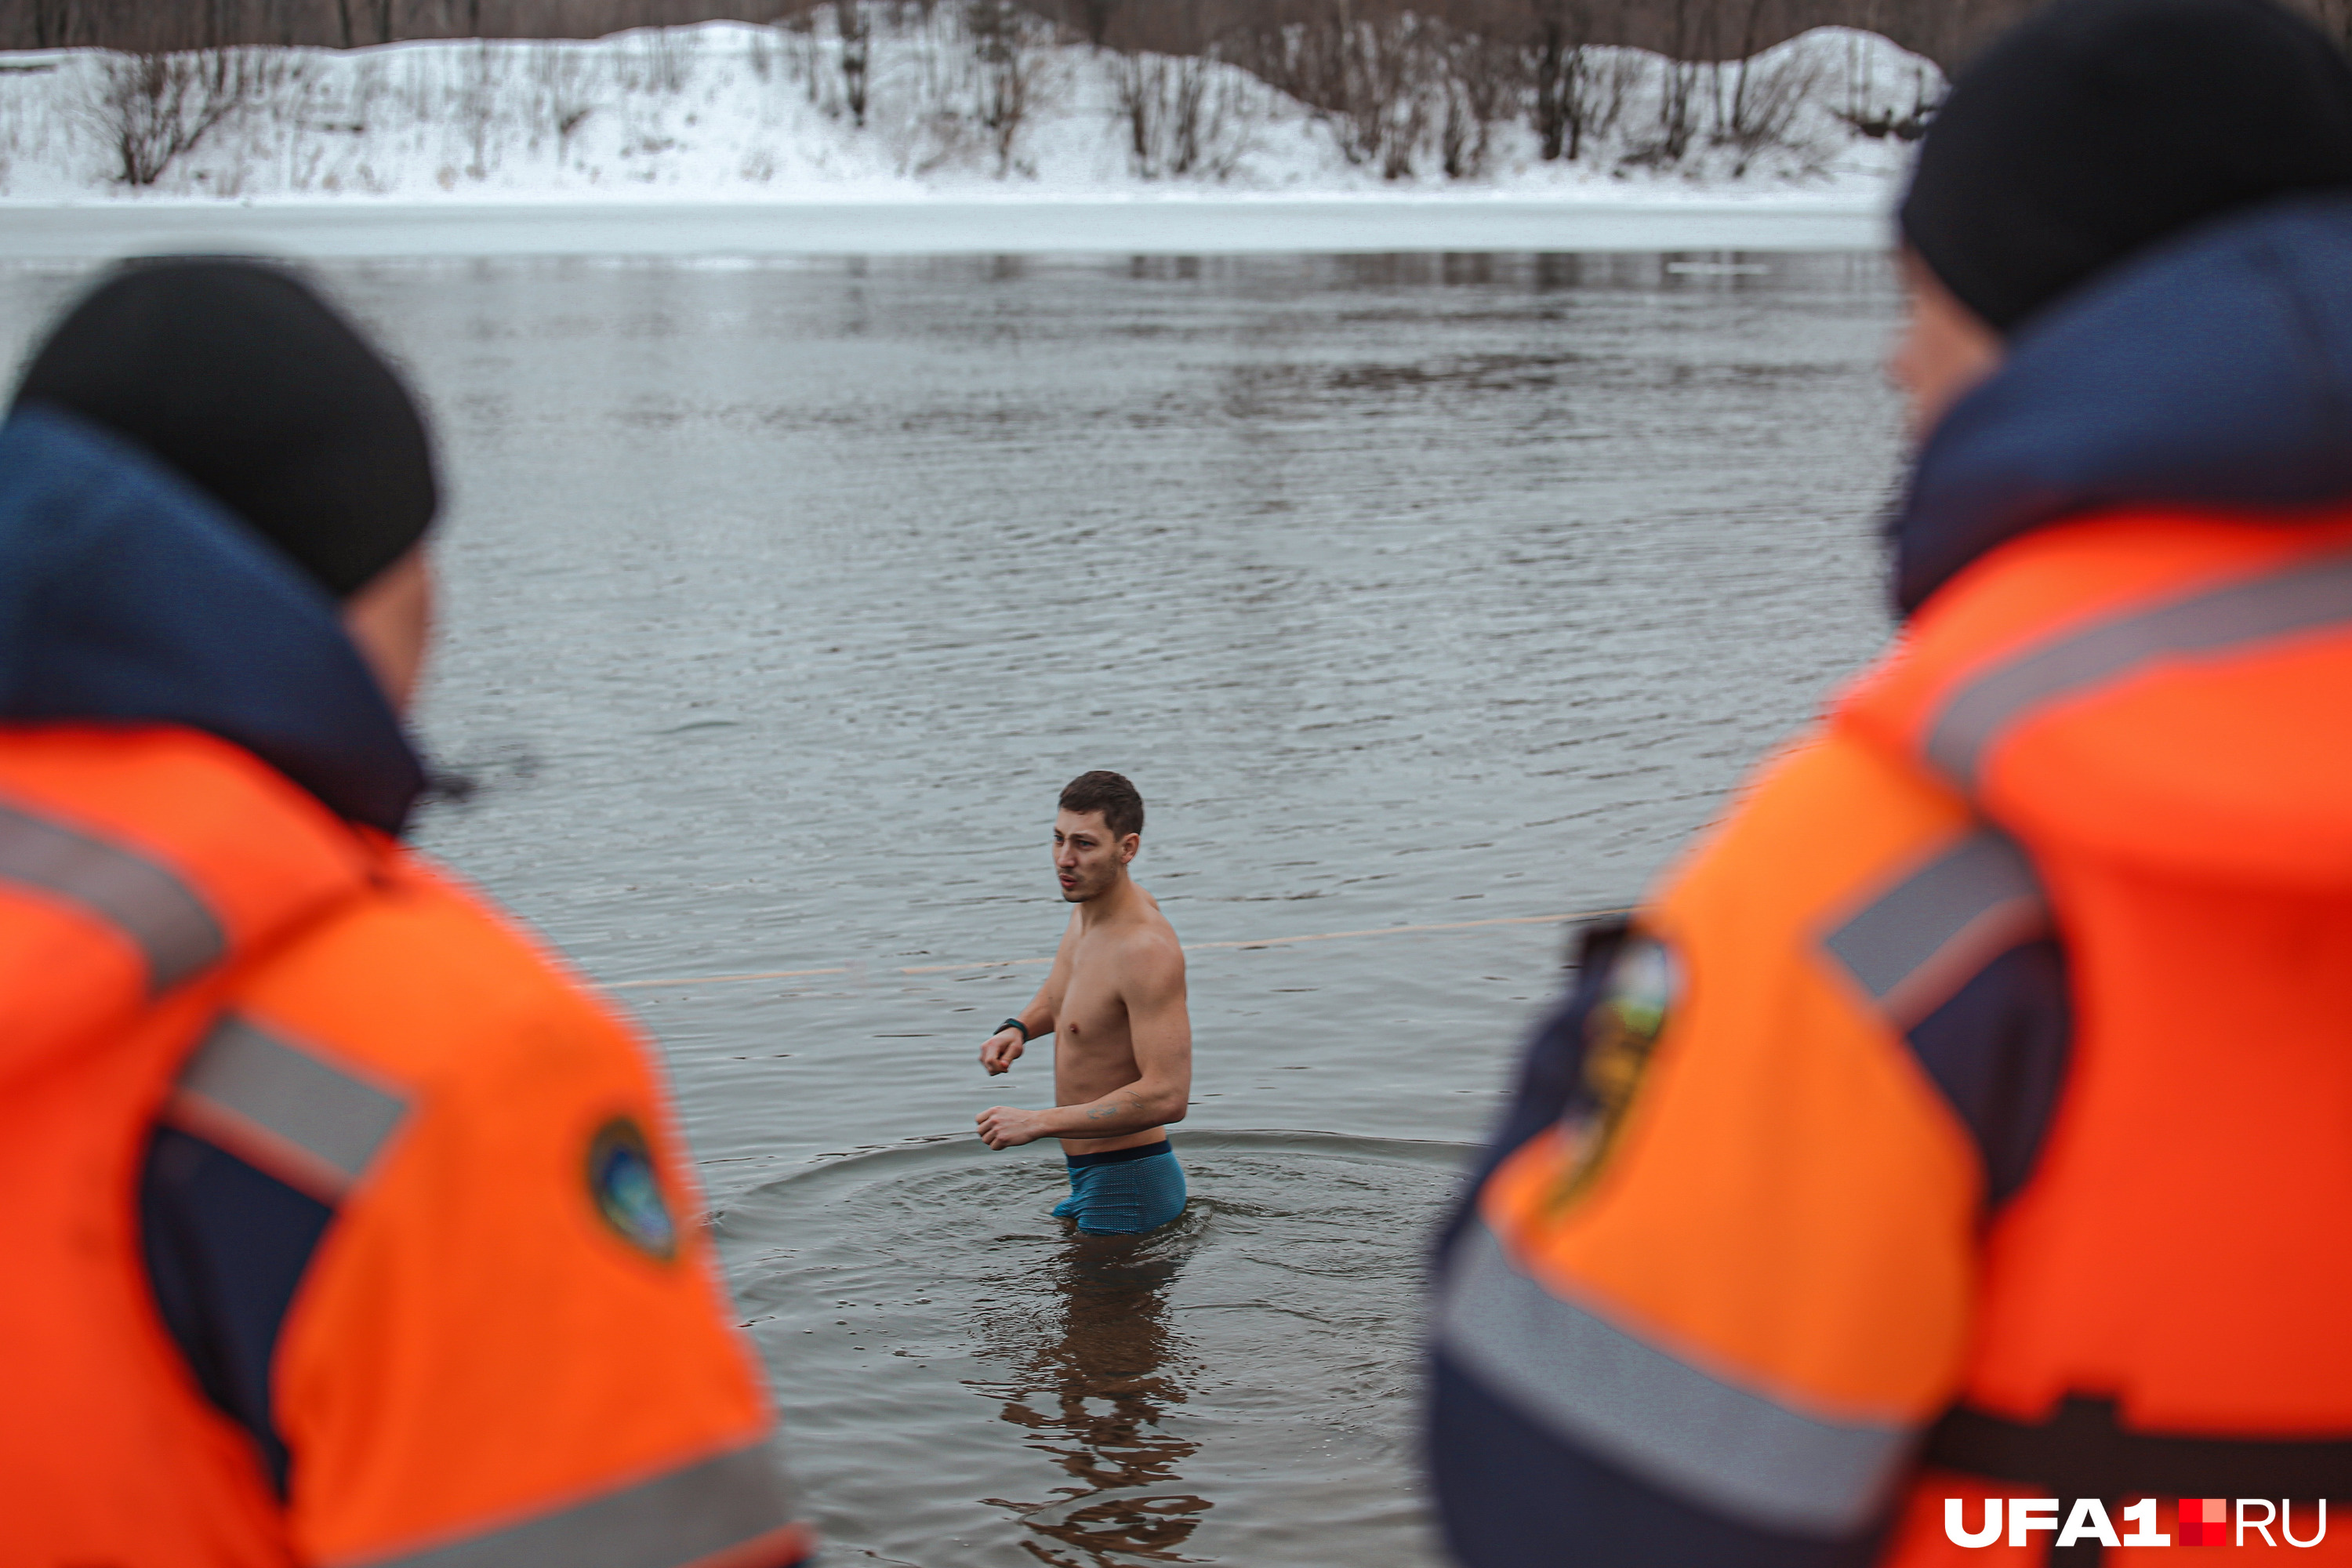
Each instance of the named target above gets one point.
<point>2215,372</point>
<point>128,594</point>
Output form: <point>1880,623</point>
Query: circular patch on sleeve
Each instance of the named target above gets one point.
<point>1620,1033</point>
<point>626,1187</point>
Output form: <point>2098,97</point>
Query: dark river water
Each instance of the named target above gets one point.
<point>1426,599</point>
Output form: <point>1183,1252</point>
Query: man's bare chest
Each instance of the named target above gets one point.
<point>1092,1013</point>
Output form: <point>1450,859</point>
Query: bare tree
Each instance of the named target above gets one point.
<point>1765,96</point>
<point>1182,115</point>
<point>155,108</point>
<point>1945,30</point>
<point>1094,18</point>
<point>1678,78</point>
<point>856,29</point>
<point>566,91</point>
<point>1145,90</point>
<point>1865,112</point>
<point>1765,102</point>
<point>479,109</point>
<point>1559,65</point>
<point>1369,74</point>
<point>1007,72</point>
<point>1483,82</point>
<point>49,19</point>
<point>669,60</point>
<point>1731,124</point>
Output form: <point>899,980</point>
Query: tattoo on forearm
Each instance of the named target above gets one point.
<point>1131,1105</point>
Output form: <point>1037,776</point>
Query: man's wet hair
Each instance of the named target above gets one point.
<point>1109,793</point>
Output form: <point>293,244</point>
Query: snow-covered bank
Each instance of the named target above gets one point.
<point>1006,225</point>
<point>919,108</point>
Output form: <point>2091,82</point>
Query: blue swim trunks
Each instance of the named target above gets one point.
<point>1124,1191</point>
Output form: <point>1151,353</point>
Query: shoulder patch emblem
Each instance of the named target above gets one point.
<point>626,1189</point>
<point>1620,1033</point>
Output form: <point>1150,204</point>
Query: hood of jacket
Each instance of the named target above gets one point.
<point>2214,371</point>
<point>129,596</point>
<point>2126,565</point>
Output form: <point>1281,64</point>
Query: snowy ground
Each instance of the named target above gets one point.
<point>728,139</point>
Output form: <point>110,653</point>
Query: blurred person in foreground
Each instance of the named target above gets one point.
<point>341,1224</point>
<point>1969,1118</point>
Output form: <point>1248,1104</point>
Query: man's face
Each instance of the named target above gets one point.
<point>1944,350</point>
<point>390,621</point>
<point>1086,858</point>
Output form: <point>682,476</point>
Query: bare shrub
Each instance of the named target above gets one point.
<point>1394,65</point>
<point>1394,85</point>
<point>1482,83</point>
<point>1613,88</point>
<point>801,53</point>
<point>153,109</point>
<point>366,87</point>
<point>1372,81</point>
<point>564,91</point>
<point>855,31</point>
<point>1677,108</point>
<point>669,60</point>
<point>1006,79</point>
<point>1559,69</point>
<point>1765,100</point>
<point>1094,19</point>
<point>1158,98</point>
<point>1182,116</point>
<point>1866,114</point>
<point>478,110</point>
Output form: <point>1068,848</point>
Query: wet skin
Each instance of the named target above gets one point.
<point>1114,1001</point>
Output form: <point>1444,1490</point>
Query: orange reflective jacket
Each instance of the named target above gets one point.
<point>506,1341</point>
<point>1969,1116</point>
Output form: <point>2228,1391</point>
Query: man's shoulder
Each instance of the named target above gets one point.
<point>1146,943</point>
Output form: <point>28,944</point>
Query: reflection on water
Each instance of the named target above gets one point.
<point>967,1384</point>
<point>1096,1373</point>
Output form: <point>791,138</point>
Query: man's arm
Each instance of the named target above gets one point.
<point>1002,1049</point>
<point>1160,1031</point>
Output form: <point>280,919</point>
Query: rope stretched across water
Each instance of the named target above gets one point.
<point>1189,947</point>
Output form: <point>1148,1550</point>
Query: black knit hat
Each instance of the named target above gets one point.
<point>237,375</point>
<point>2099,127</point>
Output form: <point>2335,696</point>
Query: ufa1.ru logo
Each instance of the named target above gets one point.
<point>2203,1522</point>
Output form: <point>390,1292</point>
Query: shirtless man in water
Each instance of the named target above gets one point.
<point>1115,1005</point>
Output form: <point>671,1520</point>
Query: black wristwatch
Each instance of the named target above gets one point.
<point>1013,1024</point>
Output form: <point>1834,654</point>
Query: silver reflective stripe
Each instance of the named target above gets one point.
<point>246,1081</point>
<point>667,1522</point>
<point>1922,939</point>
<point>173,929</point>
<point>1735,1452</point>
<point>2305,599</point>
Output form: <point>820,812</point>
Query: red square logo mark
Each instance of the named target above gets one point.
<point>2204,1522</point>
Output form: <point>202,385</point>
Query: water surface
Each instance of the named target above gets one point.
<point>1413,591</point>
